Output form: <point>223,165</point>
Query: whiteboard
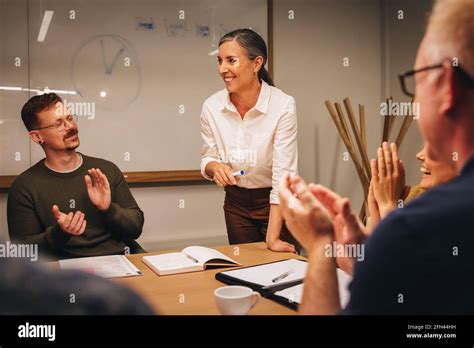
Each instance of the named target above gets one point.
<point>140,69</point>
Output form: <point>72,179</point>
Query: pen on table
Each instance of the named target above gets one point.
<point>239,173</point>
<point>282,276</point>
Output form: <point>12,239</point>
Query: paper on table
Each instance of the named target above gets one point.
<point>110,266</point>
<point>172,260</point>
<point>264,274</point>
<point>292,294</point>
<point>295,293</point>
<point>344,280</point>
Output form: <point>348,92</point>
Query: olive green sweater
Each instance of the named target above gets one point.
<point>31,220</point>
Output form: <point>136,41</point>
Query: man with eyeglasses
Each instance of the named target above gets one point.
<point>417,261</point>
<point>70,204</point>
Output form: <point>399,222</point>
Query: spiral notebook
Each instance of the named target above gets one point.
<point>268,278</point>
<point>293,295</point>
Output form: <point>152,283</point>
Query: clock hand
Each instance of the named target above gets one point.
<point>103,56</point>
<point>115,60</point>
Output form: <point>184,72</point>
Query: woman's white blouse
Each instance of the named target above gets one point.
<point>263,143</point>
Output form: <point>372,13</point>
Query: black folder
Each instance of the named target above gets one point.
<point>265,291</point>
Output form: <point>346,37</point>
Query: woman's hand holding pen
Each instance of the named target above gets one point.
<point>222,174</point>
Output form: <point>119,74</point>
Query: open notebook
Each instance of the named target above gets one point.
<point>191,259</point>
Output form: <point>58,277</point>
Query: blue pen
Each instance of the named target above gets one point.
<point>239,173</point>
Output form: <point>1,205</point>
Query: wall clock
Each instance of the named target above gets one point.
<point>105,70</point>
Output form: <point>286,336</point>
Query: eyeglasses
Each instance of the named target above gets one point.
<point>407,80</point>
<point>60,124</point>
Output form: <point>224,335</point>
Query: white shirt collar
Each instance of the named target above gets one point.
<point>262,101</point>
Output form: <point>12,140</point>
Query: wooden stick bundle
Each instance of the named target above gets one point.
<point>388,122</point>
<point>362,163</point>
<point>342,128</point>
<point>357,135</point>
<point>404,129</point>
<point>362,125</point>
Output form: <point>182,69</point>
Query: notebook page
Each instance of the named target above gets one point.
<point>295,293</point>
<point>263,275</point>
<point>203,254</point>
<point>170,261</point>
<point>344,280</point>
<point>292,294</point>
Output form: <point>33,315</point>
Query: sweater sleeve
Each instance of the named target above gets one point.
<point>24,225</point>
<point>124,218</point>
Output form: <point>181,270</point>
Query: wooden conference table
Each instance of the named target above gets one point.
<point>193,293</point>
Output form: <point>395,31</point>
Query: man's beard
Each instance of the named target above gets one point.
<point>73,147</point>
<point>72,133</point>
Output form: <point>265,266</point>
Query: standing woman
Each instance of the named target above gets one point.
<point>250,125</point>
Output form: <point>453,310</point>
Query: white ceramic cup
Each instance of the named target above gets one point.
<point>235,300</point>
